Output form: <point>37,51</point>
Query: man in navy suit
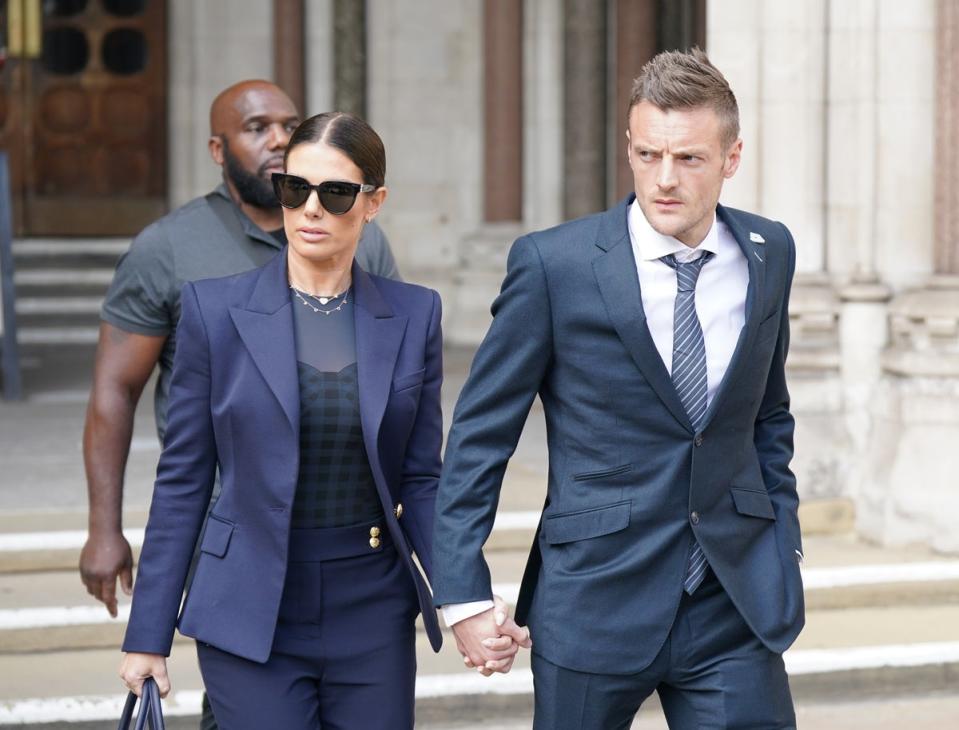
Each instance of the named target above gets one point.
<point>655,334</point>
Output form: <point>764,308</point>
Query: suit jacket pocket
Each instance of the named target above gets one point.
<point>753,503</point>
<point>584,524</point>
<point>611,472</point>
<point>216,538</point>
<point>410,380</point>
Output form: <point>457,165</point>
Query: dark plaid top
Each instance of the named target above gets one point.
<point>335,486</point>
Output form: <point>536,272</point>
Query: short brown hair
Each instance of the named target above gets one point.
<point>687,80</point>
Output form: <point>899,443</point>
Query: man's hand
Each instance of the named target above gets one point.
<point>490,640</point>
<point>136,666</point>
<point>104,558</point>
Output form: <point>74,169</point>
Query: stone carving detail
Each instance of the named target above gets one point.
<point>924,331</point>
<point>814,326</point>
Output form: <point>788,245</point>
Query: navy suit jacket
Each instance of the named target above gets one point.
<point>234,403</point>
<point>626,468</point>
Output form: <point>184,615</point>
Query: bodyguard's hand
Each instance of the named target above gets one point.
<point>136,666</point>
<point>490,640</point>
<point>104,558</point>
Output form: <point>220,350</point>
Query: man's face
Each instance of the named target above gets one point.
<point>253,133</point>
<point>679,164</point>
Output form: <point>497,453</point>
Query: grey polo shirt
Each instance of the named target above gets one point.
<point>191,243</point>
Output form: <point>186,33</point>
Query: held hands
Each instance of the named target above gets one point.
<point>136,666</point>
<point>104,558</point>
<point>490,640</point>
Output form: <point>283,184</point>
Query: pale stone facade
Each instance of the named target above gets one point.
<point>840,113</point>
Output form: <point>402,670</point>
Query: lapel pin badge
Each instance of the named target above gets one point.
<point>756,238</point>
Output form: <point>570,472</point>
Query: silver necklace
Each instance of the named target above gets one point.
<point>322,300</point>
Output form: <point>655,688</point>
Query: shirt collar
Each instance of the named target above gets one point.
<point>650,245</point>
<point>250,228</point>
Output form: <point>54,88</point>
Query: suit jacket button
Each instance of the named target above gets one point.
<point>694,518</point>
<point>398,510</point>
<point>374,532</point>
<point>374,542</point>
<point>698,440</point>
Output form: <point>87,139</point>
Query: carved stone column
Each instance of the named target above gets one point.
<point>482,254</point>
<point>947,137</point>
<point>584,108</point>
<point>914,492</point>
<point>288,58</point>
<point>349,56</point>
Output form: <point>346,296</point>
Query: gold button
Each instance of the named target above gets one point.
<point>374,532</point>
<point>398,510</point>
<point>374,542</point>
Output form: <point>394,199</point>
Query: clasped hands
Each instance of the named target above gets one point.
<point>490,640</point>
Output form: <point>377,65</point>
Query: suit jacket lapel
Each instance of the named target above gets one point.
<point>618,281</point>
<point>379,334</point>
<point>266,327</point>
<point>755,254</point>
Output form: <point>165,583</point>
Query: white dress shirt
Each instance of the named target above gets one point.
<point>720,304</point>
<point>720,291</point>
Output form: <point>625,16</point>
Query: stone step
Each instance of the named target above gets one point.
<point>87,689</point>
<point>50,611</point>
<point>36,248</point>
<point>32,254</point>
<point>80,306</point>
<point>52,277</point>
<point>58,335</point>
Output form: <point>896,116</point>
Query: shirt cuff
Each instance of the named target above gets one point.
<point>800,556</point>
<point>456,612</point>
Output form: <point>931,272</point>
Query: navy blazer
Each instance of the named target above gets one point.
<point>234,403</point>
<point>630,480</point>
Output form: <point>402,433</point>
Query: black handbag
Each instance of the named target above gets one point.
<point>150,710</point>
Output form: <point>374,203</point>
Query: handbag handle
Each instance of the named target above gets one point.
<point>150,709</point>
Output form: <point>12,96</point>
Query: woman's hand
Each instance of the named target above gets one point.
<point>136,667</point>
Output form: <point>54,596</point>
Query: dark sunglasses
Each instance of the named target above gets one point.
<point>336,196</point>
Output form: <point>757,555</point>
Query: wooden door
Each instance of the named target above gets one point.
<point>84,96</point>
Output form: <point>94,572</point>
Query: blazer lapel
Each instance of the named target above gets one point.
<point>755,254</point>
<point>266,328</point>
<point>379,334</point>
<point>618,281</point>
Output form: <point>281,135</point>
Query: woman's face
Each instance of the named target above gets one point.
<point>314,233</point>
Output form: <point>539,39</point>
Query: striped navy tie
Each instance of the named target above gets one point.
<point>689,374</point>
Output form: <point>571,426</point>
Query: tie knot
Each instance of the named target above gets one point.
<point>687,272</point>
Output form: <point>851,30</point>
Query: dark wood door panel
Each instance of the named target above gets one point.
<point>93,115</point>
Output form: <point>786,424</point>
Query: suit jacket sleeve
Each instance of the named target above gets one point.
<point>775,425</point>
<point>182,491</point>
<point>422,463</point>
<point>507,372</point>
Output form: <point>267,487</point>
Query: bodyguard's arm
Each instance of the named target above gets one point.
<point>124,362</point>
<point>506,375</point>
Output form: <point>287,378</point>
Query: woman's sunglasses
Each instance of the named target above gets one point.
<point>336,197</point>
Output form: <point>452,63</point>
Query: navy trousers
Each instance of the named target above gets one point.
<point>344,654</point>
<point>711,674</point>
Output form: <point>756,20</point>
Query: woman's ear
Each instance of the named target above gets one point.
<point>374,201</point>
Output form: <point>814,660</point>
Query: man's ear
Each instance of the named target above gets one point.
<point>215,145</point>
<point>733,158</point>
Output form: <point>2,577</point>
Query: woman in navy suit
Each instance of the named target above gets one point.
<point>314,388</point>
